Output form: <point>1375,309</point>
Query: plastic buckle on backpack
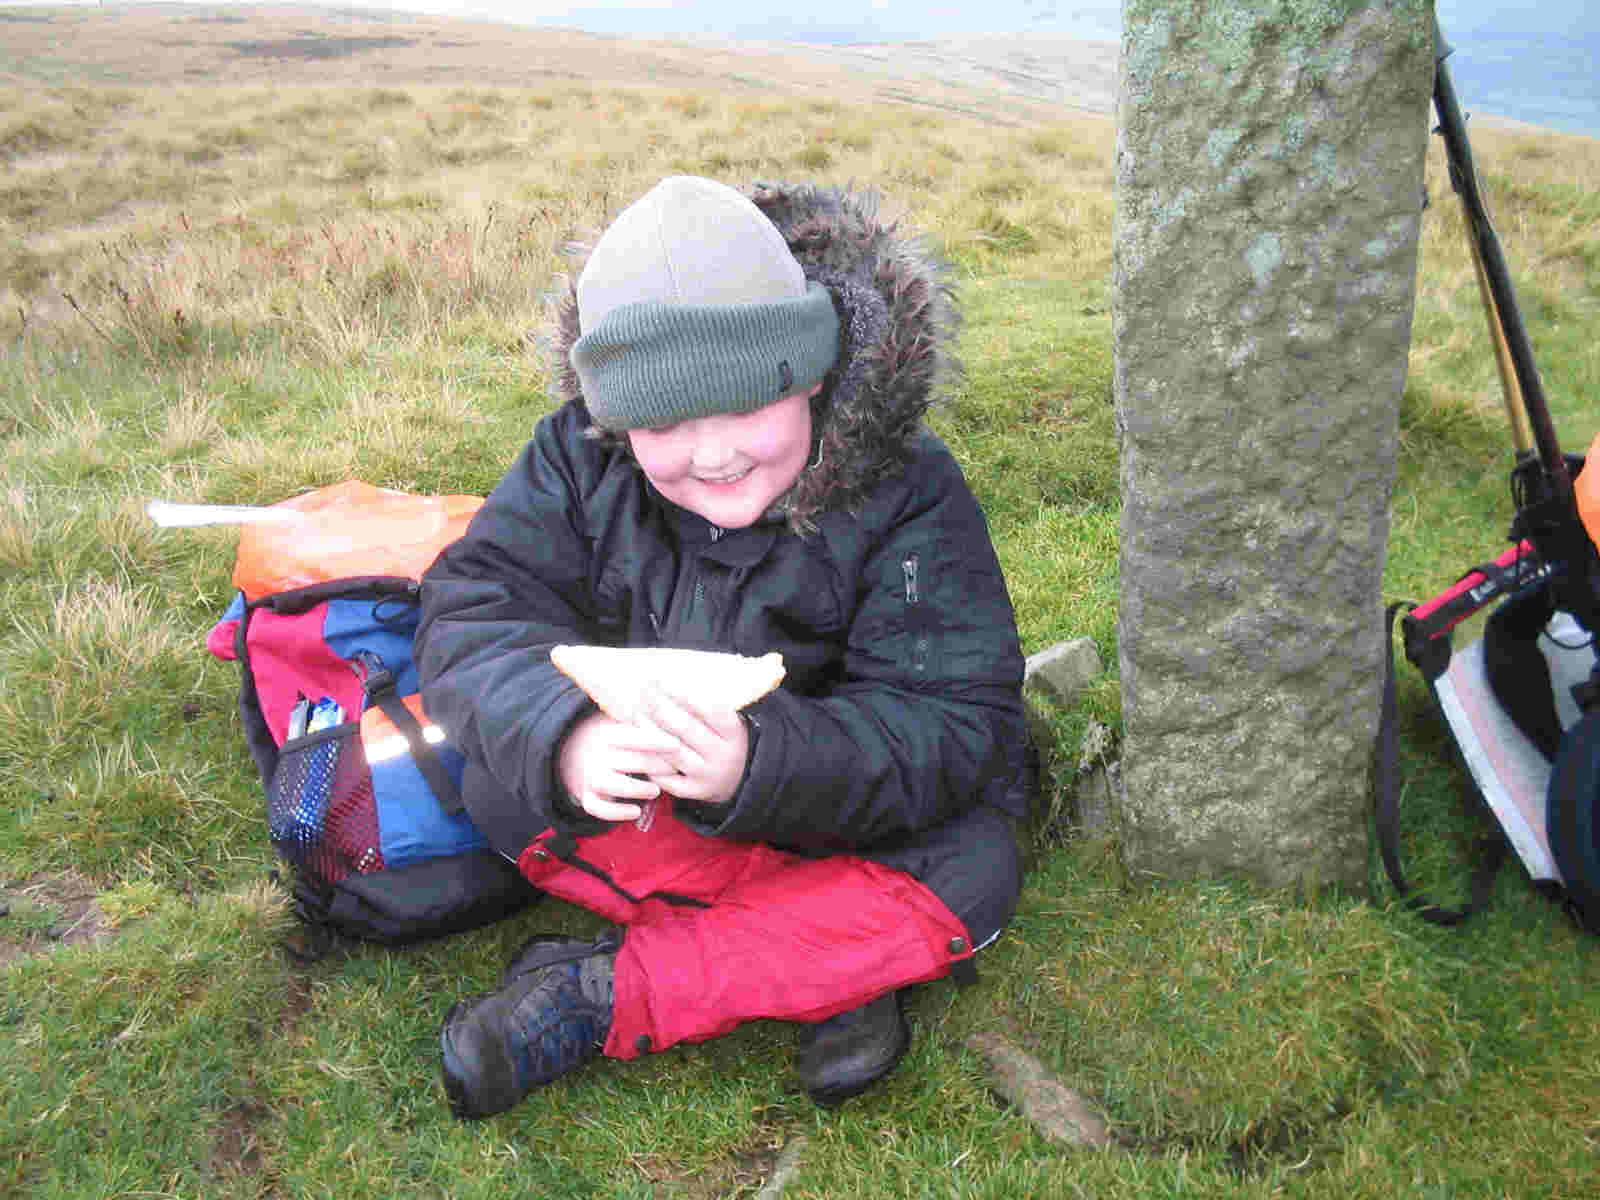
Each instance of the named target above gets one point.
<point>378,682</point>
<point>376,679</point>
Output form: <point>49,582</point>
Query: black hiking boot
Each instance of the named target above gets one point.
<point>544,1021</point>
<point>542,949</point>
<point>848,1053</point>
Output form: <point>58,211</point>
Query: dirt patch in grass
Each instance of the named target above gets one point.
<point>237,1151</point>
<point>47,911</point>
<point>297,1003</point>
<point>744,1172</point>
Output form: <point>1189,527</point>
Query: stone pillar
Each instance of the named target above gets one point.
<point>1269,193</point>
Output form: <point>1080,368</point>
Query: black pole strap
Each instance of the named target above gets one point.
<point>1386,808</point>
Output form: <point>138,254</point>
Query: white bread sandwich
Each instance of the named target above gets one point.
<point>616,678</point>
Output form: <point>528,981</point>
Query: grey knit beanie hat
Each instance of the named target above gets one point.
<point>691,305</point>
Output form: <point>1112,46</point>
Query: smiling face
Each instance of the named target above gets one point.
<point>729,468</point>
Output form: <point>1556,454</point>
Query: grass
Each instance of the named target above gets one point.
<point>231,293</point>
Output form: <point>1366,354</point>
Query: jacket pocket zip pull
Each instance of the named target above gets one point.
<point>916,624</point>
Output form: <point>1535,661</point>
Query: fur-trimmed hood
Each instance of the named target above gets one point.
<point>897,327</point>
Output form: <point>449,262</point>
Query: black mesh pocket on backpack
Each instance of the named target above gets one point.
<point>320,810</point>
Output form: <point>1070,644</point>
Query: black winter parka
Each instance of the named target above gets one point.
<point>875,579</point>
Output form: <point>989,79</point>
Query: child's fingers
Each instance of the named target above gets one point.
<point>688,769</point>
<point>608,797</point>
<point>609,810</point>
<point>625,786</point>
<point>685,787</point>
<point>647,739</point>
<point>628,762</point>
<point>689,725</point>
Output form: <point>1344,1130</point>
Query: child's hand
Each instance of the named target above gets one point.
<point>601,761</point>
<point>712,748</point>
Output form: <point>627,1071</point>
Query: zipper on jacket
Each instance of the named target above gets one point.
<point>916,621</point>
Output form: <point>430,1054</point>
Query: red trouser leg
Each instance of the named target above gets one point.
<point>783,937</point>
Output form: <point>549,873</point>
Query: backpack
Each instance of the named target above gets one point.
<point>363,802</point>
<point>1522,706</point>
<point>1522,703</point>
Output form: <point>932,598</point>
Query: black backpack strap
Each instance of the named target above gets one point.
<point>1386,807</point>
<point>258,738</point>
<point>422,753</point>
<point>379,686</point>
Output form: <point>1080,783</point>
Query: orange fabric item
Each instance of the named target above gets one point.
<point>350,529</point>
<point>1587,488</point>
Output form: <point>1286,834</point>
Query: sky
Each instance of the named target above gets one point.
<point>898,20</point>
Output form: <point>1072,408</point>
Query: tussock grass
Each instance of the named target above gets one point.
<point>232,292</point>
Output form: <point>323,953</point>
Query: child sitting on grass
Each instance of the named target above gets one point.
<point>739,464</point>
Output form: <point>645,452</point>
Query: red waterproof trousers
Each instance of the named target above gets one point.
<point>774,935</point>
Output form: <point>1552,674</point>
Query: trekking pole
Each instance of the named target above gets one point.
<point>1547,512</point>
<point>1524,393</point>
<point>1510,390</point>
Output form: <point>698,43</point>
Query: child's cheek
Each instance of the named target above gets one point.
<point>771,445</point>
<point>779,432</point>
<point>659,457</point>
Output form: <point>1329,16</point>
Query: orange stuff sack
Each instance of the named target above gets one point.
<point>350,530</point>
<point>1587,488</point>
